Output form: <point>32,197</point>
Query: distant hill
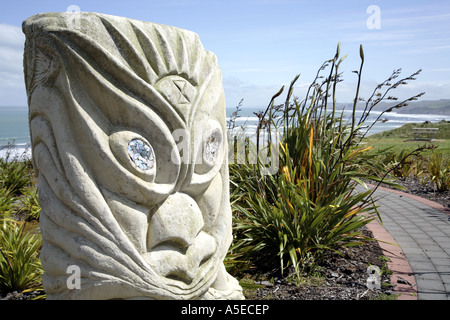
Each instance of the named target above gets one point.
<point>436,107</point>
<point>440,107</point>
<point>406,131</point>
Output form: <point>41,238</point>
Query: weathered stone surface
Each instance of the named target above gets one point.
<point>127,122</point>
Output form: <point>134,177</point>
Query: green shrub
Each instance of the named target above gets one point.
<point>296,229</point>
<point>20,267</point>
<point>310,204</point>
<point>29,204</point>
<point>402,164</point>
<point>439,171</point>
<point>6,202</point>
<point>15,174</point>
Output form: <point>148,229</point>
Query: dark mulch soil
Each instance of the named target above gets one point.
<point>22,295</point>
<point>337,278</point>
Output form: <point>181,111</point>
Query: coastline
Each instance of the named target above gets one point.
<point>21,151</point>
<point>14,130</point>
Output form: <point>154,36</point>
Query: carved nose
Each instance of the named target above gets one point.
<point>178,220</point>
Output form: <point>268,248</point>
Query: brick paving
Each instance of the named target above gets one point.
<point>421,229</point>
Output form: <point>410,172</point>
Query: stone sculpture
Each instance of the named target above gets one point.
<point>127,122</point>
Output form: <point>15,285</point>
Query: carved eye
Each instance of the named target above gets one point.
<point>135,153</point>
<point>211,148</point>
<point>141,154</point>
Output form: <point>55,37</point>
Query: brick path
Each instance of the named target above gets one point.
<point>421,229</point>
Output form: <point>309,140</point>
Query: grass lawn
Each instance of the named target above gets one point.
<point>403,139</point>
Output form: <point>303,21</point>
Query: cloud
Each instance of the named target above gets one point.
<point>11,48</point>
<point>439,70</point>
<point>396,38</point>
<point>255,96</point>
<point>10,60</point>
<point>12,88</point>
<point>434,90</point>
<point>258,96</point>
<point>11,36</point>
<point>404,21</point>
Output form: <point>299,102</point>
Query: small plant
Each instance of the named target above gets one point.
<point>30,207</point>
<point>6,202</point>
<point>384,268</point>
<point>15,173</point>
<point>439,171</point>
<point>296,230</point>
<point>231,123</point>
<point>402,164</point>
<point>20,267</point>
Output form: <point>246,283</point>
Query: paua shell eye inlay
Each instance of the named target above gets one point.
<point>211,148</point>
<point>141,154</point>
<point>135,153</point>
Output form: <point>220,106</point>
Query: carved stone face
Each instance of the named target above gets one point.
<point>127,122</point>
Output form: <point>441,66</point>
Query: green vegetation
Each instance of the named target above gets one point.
<point>29,204</point>
<point>309,205</point>
<point>438,171</point>
<point>20,241</point>
<point>395,149</point>
<point>396,145</point>
<point>6,201</point>
<point>406,131</point>
<point>14,175</point>
<point>403,139</point>
<point>20,267</point>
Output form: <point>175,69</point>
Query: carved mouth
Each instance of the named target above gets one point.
<point>175,262</point>
<point>177,246</point>
<point>172,239</point>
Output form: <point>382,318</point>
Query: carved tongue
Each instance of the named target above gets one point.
<point>167,261</point>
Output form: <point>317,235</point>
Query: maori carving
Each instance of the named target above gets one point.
<point>127,122</point>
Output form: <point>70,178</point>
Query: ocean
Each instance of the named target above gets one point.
<point>14,129</point>
<point>394,120</point>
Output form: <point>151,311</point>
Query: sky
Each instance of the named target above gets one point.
<point>263,44</point>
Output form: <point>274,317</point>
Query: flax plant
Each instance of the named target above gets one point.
<point>15,173</point>
<point>6,202</point>
<point>439,171</point>
<point>20,267</point>
<point>28,206</point>
<point>310,205</point>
